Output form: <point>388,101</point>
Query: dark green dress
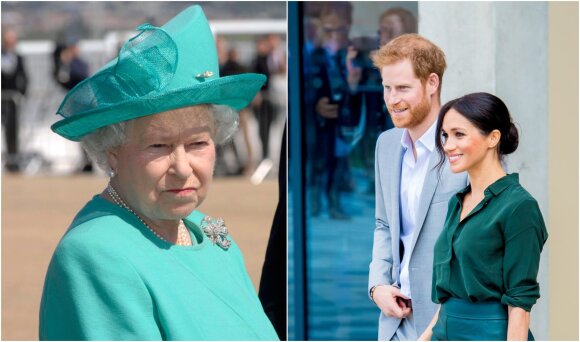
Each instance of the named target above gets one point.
<point>492,255</point>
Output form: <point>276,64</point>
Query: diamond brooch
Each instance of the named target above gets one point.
<point>216,231</point>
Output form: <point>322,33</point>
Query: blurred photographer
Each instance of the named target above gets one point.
<point>366,84</point>
<point>332,107</point>
<point>69,69</point>
<point>395,22</point>
<point>14,84</point>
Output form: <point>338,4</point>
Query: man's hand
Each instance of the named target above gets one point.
<point>391,301</point>
<point>327,110</point>
<point>354,73</point>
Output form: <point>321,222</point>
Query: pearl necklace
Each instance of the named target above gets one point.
<point>183,237</point>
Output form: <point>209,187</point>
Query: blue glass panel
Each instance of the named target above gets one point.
<point>331,193</point>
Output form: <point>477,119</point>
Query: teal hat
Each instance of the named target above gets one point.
<point>160,69</point>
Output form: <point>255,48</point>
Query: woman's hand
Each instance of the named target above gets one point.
<point>428,333</point>
<point>391,301</point>
<point>518,324</point>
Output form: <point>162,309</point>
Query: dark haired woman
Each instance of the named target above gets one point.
<point>487,256</point>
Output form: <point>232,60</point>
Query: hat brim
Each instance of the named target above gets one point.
<point>236,91</point>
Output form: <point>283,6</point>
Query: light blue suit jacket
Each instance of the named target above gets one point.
<point>386,263</point>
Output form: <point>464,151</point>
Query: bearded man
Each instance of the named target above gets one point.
<point>411,195</point>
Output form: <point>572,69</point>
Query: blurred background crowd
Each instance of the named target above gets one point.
<point>49,47</point>
<point>342,112</point>
<point>344,104</point>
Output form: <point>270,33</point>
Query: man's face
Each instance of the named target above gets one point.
<point>390,28</point>
<point>9,39</point>
<point>335,33</point>
<point>404,94</point>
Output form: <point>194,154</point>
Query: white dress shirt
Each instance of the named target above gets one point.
<point>413,174</point>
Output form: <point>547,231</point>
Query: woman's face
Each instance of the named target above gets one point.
<point>465,146</point>
<point>165,167</point>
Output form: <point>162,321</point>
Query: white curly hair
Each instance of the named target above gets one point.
<point>97,143</point>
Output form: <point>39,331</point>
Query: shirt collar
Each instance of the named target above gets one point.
<point>427,139</point>
<point>503,183</point>
<point>406,141</point>
<point>496,187</point>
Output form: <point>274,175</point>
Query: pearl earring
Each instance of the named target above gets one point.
<point>112,173</point>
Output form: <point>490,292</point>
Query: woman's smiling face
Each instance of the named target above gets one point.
<point>166,165</point>
<point>464,144</point>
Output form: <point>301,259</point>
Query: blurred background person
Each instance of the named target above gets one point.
<point>14,84</point>
<point>273,292</point>
<point>366,83</point>
<point>278,84</point>
<point>311,43</point>
<point>230,65</point>
<point>332,108</point>
<point>273,283</point>
<point>70,69</point>
<point>277,60</point>
<point>263,106</point>
<point>395,22</point>
<point>270,60</point>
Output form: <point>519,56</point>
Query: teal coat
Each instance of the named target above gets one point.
<point>110,278</point>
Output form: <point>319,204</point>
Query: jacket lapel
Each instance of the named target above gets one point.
<point>395,209</point>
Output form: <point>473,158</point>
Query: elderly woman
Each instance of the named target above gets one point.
<point>138,261</point>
